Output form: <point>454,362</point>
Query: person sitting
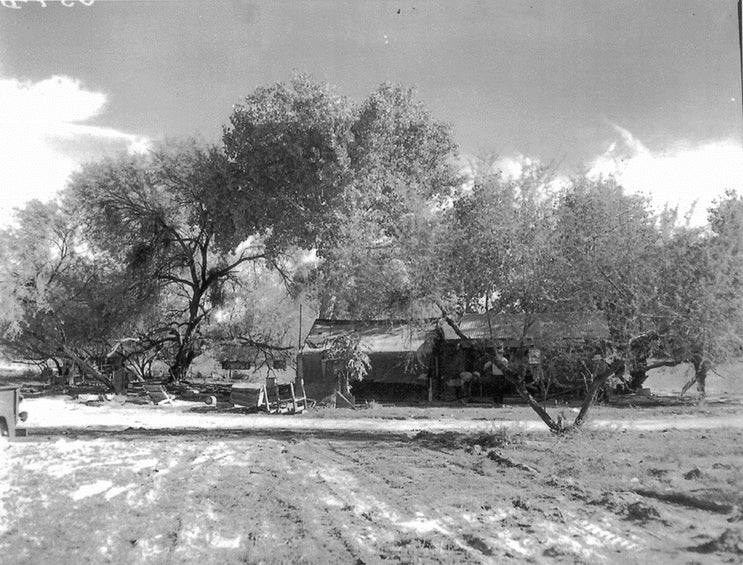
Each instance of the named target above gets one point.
<point>468,379</point>
<point>456,384</point>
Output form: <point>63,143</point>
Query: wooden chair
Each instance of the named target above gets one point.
<point>283,398</point>
<point>272,395</point>
<point>300,397</point>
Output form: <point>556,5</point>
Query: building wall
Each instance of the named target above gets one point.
<point>387,368</point>
<point>317,383</point>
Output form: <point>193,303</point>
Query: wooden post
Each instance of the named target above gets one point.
<point>299,338</point>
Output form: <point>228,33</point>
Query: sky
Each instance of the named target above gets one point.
<point>647,91</point>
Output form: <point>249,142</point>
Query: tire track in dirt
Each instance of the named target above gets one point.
<point>428,511</point>
<point>327,522</point>
<point>230,499</point>
<point>479,517</point>
<point>368,492</point>
<point>221,502</point>
<point>266,509</point>
<point>336,513</point>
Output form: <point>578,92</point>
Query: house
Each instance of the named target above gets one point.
<point>399,354</point>
<point>240,362</point>
<point>420,361</point>
<point>555,346</point>
<point>258,370</point>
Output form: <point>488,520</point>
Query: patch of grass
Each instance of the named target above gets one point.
<point>604,461</point>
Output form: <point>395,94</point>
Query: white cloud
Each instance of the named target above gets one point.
<point>41,137</point>
<point>679,175</point>
<point>684,175</point>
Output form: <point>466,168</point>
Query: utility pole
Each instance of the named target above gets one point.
<point>740,49</point>
<point>299,340</point>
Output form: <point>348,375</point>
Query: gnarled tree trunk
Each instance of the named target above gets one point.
<point>86,367</point>
<point>701,368</point>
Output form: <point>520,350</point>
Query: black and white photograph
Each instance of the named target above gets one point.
<point>364,282</point>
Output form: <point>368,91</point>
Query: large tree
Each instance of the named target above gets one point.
<point>521,245</point>
<point>526,247</point>
<point>287,146</point>
<point>161,216</point>
<point>392,213</point>
<point>614,243</point>
<point>61,300</point>
<point>699,299</point>
<point>502,227</point>
<point>191,217</point>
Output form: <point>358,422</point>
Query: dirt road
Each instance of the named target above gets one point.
<point>226,499</point>
<point>120,484</point>
<point>58,414</point>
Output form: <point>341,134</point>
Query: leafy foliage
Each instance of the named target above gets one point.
<point>259,319</point>
<point>391,218</point>
<point>157,216</point>
<point>700,307</point>
<point>61,300</point>
<point>288,150</point>
<point>351,363</point>
<point>154,249</point>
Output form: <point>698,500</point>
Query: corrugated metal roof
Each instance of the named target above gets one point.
<point>400,336</point>
<point>375,336</point>
<point>535,327</point>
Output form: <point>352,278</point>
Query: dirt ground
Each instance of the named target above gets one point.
<point>120,483</point>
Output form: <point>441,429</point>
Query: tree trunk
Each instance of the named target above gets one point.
<point>185,354</point>
<point>637,379</point>
<point>598,382</point>
<point>87,368</point>
<point>511,376</point>
<point>639,375</point>
<point>341,383</point>
<point>637,364</point>
<point>186,344</point>
<point>701,366</point>
<point>182,362</point>
<point>702,384</point>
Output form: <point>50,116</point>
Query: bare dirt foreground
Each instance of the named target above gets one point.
<point>131,484</point>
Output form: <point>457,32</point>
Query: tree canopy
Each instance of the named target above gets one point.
<point>157,215</point>
<point>287,147</point>
<point>363,210</point>
<point>402,170</point>
<point>60,299</point>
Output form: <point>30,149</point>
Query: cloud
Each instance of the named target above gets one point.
<point>681,175</point>
<point>686,175</point>
<point>42,139</point>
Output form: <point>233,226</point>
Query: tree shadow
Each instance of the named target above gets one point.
<point>133,434</point>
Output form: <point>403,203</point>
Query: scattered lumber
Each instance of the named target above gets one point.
<point>250,396</point>
<point>506,462</point>
<point>687,500</point>
<point>157,394</point>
